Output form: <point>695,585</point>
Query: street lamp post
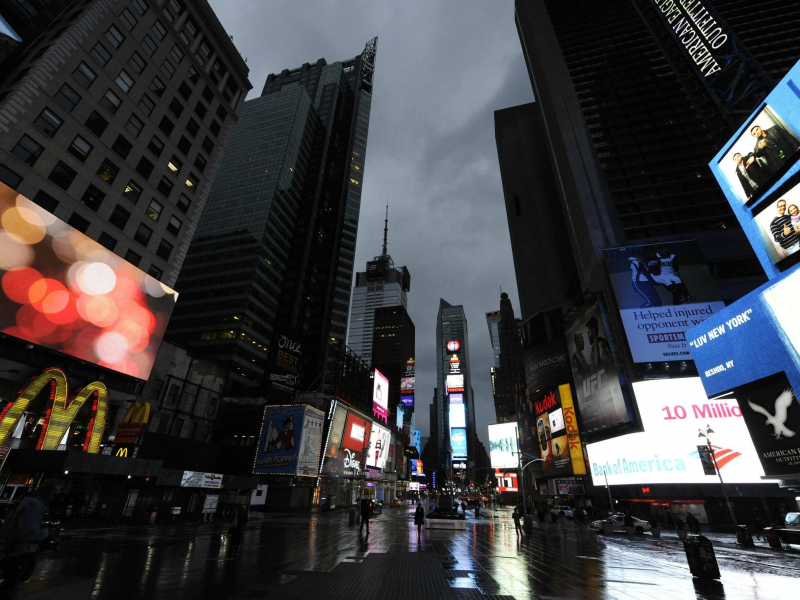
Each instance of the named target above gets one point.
<point>719,474</point>
<point>608,489</point>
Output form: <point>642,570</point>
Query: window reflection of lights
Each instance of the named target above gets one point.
<point>173,167</point>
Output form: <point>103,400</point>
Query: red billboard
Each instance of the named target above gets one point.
<point>64,291</point>
<point>356,432</point>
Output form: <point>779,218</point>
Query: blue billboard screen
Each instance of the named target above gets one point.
<point>458,441</point>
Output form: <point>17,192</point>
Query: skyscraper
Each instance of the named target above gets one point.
<point>273,256</point>
<point>510,375</point>
<point>393,351</point>
<point>381,285</point>
<point>456,402</point>
<point>493,321</point>
<point>115,116</point>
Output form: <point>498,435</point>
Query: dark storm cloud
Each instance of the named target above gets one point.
<point>442,70</point>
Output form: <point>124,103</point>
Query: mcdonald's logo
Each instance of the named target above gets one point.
<point>138,413</point>
<point>122,453</point>
<point>60,412</point>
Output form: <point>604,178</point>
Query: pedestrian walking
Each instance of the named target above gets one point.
<point>517,526</point>
<point>670,523</point>
<point>19,539</point>
<point>236,531</point>
<point>542,515</point>
<point>419,518</point>
<point>758,528</point>
<point>365,515</point>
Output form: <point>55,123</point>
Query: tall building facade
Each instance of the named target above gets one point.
<point>114,116</point>
<point>273,256</point>
<point>510,379</point>
<point>493,321</point>
<point>393,351</point>
<point>381,285</point>
<point>456,402</point>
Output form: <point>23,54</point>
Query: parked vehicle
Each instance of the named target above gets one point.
<point>556,510</point>
<point>792,520</point>
<point>618,524</point>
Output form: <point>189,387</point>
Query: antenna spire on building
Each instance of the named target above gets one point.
<point>385,229</point>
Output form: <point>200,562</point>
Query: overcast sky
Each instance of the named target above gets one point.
<point>442,69</point>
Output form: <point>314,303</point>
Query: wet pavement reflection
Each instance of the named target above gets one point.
<point>308,556</point>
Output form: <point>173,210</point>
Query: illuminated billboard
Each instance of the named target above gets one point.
<point>673,411</point>
<point>503,448</point>
<point>506,481</point>
<point>64,291</point>
<point>348,435</point>
<point>379,440</point>
<point>290,441</point>
<point>662,290</point>
<point>778,222</point>
<point>458,417</point>
<point>458,442</point>
<point>380,396</point>
<point>407,400</point>
<point>455,383</point>
<point>593,360</point>
<point>407,384</point>
<point>557,431</point>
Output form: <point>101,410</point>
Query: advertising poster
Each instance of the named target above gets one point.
<point>284,369</point>
<point>552,432</point>
<point>503,449</point>
<point>593,362</point>
<point>407,384</point>
<point>210,481</point>
<point>64,291</point>
<point>778,221</point>
<point>673,411</point>
<point>333,445</point>
<point>458,442</point>
<point>380,397</point>
<point>290,441</point>
<point>760,154</point>
<point>662,291</point>
<point>506,481</point>
<point>772,414</point>
<point>347,457</point>
<point>379,440</point>
<point>455,383</point>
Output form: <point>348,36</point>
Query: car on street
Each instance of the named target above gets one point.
<point>792,520</point>
<point>618,524</point>
<point>556,510</point>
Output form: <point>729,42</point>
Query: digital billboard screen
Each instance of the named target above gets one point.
<point>290,441</point>
<point>407,400</point>
<point>503,449</point>
<point>551,430</point>
<point>379,441</point>
<point>673,411</point>
<point>778,222</point>
<point>407,384</point>
<point>455,383</point>
<point>593,362</point>
<point>458,441</point>
<point>662,290</point>
<point>64,291</point>
<point>380,396</point>
<point>458,417</point>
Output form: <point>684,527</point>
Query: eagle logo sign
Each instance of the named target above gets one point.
<point>778,420</point>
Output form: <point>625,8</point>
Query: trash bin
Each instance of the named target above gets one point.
<point>351,517</point>
<point>772,538</point>
<point>700,556</point>
<point>743,536</point>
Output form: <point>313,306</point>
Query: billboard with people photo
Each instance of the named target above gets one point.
<point>778,222</point>
<point>662,290</point>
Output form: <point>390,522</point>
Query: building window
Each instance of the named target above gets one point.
<point>111,102</point>
<point>184,90</point>
<point>107,241</point>
<point>167,69</point>
<point>100,55</point>
<point>208,94</point>
<point>184,145</point>
<point>134,125</point>
<point>132,191</point>
<point>167,15</point>
<point>133,258</point>
<point>166,125</point>
<point>128,19</point>
<point>143,234</point>
<point>114,36</point>
<point>67,97</point>
<point>145,167</point>
<point>137,63</point>
<point>201,109</point>
<point>80,148</point>
<point>165,186</point>
<point>78,222</point>
<point>174,226</point>
<point>192,127</point>
<point>192,75</point>
<point>191,182</point>
<point>156,146</point>
<point>183,203</point>
<point>176,53</point>
<point>155,272</point>
<point>84,75</point>
<point>208,145</point>
<point>46,201</point>
<point>164,250</point>
<point>149,45</point>
<point>93,197</point>
<point>159,30</point>
<point>62,175</point>
<point>154,210</point>
<point>11,178</point>
<point>108,171</point>
<point>200,162</point>
<point>199,59</point>
<point>124,81</point>
<point>174,164</point>
<point>176,107</point>
<point>119,218</point>
<point>96,124</point>
<point>215,128</point>
<point>157,86</point>
<point>146,104</point>
<point>27,150</point>
<point>122,147</point>
<point>140,5</point>
<point>48,122</point>
<point>189,31</point>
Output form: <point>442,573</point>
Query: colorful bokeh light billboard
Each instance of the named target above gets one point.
<point>64,291</point>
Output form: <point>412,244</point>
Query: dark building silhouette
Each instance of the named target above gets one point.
<point>393,344</point>
<point>510,375</point>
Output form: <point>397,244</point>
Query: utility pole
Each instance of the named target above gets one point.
<point>706,435</point>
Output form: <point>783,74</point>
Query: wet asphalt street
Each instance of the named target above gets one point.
<point>318,556</point>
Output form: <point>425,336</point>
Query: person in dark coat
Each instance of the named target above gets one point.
<point>20,536</point>
<point>365,514</point>
<point>752,173</point>
<point>758,528</point>
<point>238,523</point>
<point>517,526</point>
<point>419,518</point>
<point>775,144</point>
